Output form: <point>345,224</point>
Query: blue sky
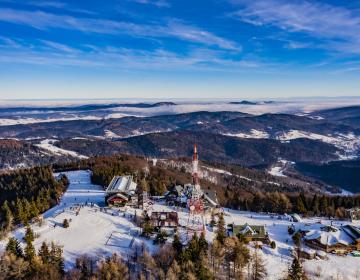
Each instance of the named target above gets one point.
<point>179,49</point>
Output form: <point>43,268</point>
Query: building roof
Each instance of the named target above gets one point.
<point>117,196</point>
<point>329,237</point>
<point>122,184</point>
<point>164,216</point>
<point>211,197</point>
<point>254,231</point>
<point>352,231</point>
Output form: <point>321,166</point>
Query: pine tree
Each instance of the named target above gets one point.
<point>44,253</point>
<point>9,217</point>
<point>174,271</point>
<point>315,204</point>
<point>192,251</point>
<point>29,235</point>
<point>296,271</point>
<point>65,223</point>
<point>147,228</point>
<point>212,221</point>
<point>258,267</point>
<point>13,247</point>
<point>20,214</point>
<point>177,245</point>
<point>203,244</point>
<point>29,251</point>
<point>56,258</point>
<point>34,211</point>
<point>112,268</point>
<point>221,230</point>
<point>300,206</point>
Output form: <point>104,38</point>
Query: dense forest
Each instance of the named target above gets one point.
<point>25,193</point>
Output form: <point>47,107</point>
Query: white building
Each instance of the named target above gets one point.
<point>122,184</point>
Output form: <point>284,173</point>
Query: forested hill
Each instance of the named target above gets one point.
<point>26,193</point>
<point>212,147</point>
<point>16,154</point>
<point>338,173</point>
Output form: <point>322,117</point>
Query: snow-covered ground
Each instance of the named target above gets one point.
<point>99,233</point>
<point>48,145</point>
<point>91,232</point>
<point>258,134</point>
<point>349,143</point>
<point>279,168</point>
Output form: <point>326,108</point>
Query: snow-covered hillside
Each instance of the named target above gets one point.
<point>48,145</point>
<point>101,233</point>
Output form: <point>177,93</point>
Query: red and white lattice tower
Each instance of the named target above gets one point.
<point>195,202</point>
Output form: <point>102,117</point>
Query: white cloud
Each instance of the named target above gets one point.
<point>337,26</point>
<point>173,29</point>
<point>60,47</point>
<point>58,54</point>
<point>158,3</point>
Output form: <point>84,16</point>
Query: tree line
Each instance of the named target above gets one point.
<point>26,193</point>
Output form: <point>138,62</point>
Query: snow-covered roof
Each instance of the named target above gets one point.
<point>296,217</point>
<point>248,230</point>
<point>122,184</point>
<point>329,238</point>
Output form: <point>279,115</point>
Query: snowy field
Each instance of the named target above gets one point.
<point>100,233</point>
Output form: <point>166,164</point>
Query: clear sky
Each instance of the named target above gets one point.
<point>179,49</point>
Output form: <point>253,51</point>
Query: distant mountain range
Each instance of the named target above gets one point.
<point>223,137</point>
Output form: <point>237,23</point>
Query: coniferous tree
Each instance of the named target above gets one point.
<point>65,223</point>
<point>20,214</point>
<point>258,269</point>
<point>34,211</point>
<point>29,235</point>
<point>203,244</point>
<point>296,271</point>
<point>212,221</point>
<point>112,268</point>
<point>8,215</point>
<point>315,204</point>
<point>29,251</point>
<point>44,253</point>
<point>177,245</point>
<point>56,257</point>
<point>221,230</point>
<point>300,206</point>
<point>13,247</point>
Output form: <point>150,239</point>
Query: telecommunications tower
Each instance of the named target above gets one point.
<point>196,203</point>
